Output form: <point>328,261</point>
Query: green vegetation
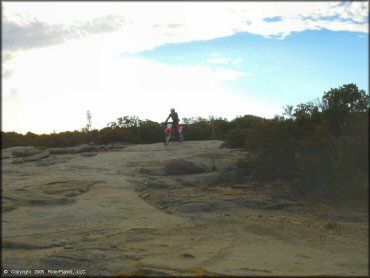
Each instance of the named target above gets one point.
<point>319,147</point>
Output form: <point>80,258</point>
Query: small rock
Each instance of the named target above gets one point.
<point>145,195</point>
<point>147,271</point>
<point>7,205</point>
<point>43,199</point>
<point>154,185</point>
<point>242,186</point>
<point>139,238</point>
<point>69,247</point>
<point>119,145</point>
<point>89,154</point>
<point>331,225</point>
<point>224,204</point>
<point>140,187</point>
<point>144,171</point>
<point>135,258</point>
<point>296,222</point>
<point>303,256</point>
<point>98,253</point>
<point>46,162</point>
<point>278,206</point>
<point>187,255</point>
<point>67,150</point>
<point>82,190</point>
<point>195,207</point>
<point>84,148</point>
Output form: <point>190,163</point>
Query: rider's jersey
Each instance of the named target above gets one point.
<point>174,117</point>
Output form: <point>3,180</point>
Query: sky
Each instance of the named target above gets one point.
<point>220,59</point>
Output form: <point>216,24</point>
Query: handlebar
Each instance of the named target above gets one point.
<point>164,123</point>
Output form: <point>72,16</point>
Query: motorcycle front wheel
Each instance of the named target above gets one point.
<point>167,138</point>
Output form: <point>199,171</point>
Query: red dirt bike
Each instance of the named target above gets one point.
<point>170,133</point>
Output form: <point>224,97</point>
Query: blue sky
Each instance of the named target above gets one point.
<point>223,59</point>
<point>293,70</point>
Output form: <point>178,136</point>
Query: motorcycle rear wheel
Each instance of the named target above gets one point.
<point>181,138</point>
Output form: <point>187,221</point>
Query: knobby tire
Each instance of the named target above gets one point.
<point>167,139</point>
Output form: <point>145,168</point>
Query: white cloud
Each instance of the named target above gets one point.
<point>238,61</point>
<point>66,83</point>
<point>51,86</point>
<point>137,26</point>
<point>214,54</point>
<point>152,24</point>
<point>218,61</point>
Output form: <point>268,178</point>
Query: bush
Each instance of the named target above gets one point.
<point>112,135</point>
<point>272,147</point>
<point>322,150</point>
<point>236,138</point>
<point>150,132</point>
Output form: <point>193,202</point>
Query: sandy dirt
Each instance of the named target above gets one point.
<point>181,209</point>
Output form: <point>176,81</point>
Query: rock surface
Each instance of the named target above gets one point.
<point>37,156</point>
<point>24,151</point>
<point>183,167</point>
<point>155,210</point>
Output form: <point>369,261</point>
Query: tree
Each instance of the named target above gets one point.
<point>129,121</point>
<point>88,125</point>
<point>247,121</point>
<point>87,128</point>
<point>347,98</point>
<point>306,111</point>
<point>322,151</point>
<point>338,103</point>
<point>288,111</point>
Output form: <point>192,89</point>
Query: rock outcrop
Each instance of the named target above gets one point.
<point>183,167</point>
<point>152,210</point>
<point>24,151</point>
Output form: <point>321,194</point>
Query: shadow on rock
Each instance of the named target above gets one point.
<point>183,167</point>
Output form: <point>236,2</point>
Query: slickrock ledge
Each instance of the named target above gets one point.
<point>155,210</point>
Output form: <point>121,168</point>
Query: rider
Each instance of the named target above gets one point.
<point>175,120</point>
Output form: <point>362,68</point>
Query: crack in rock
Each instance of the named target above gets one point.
<point>9,244</point>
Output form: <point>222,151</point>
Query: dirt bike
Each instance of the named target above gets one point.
<point>170,133</point>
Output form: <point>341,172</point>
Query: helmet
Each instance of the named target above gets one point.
<point>172,110</point>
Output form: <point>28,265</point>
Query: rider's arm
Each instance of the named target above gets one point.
<point>167,119</point>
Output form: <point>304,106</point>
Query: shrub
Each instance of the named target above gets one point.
<point>236,138</point>
<point>150,132</point>
<point>111,135</point>
<point>322,148</point>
